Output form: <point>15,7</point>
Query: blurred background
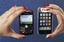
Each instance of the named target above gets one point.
<point>31,4</point>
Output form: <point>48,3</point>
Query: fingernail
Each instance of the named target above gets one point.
<point>47,36</point>
<point>14,6</point>
<point>23,37</point>
<point>25,8</point>
<point>47,9</point>
<point>46,5</point>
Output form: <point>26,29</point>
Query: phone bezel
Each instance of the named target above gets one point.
<point>32,13</point>
<point>44,31</point>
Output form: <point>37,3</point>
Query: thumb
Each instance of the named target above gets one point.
<point>50,35</point>
<point>59,29</point>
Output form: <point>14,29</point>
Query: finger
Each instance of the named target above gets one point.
<point>56,32</point>
<point>11,11</point>
<point>15,35</point>
<point>60,20</point>
<point>57,13</point>
<point>53,6</point>
<point>15,15</point>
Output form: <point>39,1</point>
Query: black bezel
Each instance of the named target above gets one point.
<point>27,13</point>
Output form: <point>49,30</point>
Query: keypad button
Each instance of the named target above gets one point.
<point>41,28</point>
<point>43,20</point>
<point>26,32</point>
<point>46,24</point>
<point>41,17</point>
<point>49,24</point>
<point>49,14</point>
<point>30,30</point>
<point>49,20</point>
<point>44,28</point>
<point>40,21</point>
<point>30,25</point>
<point>23,29</point>
<point>44,14</point>
<point>40,24</point>
<point>43,24</point>
<point>26,26</point>
<point>22,32</point>
<point>49,17</point>
<point>48,28</point>
<point>40,14</point>
<point>44,17</point>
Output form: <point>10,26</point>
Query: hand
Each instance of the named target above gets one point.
<point>56,10</point>
<point>7,18</point>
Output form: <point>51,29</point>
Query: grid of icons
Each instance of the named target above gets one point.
<point>45,21</point>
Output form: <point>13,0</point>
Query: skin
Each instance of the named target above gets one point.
<point>7,18</point>
<point>56,10</point>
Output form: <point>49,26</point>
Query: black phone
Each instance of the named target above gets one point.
<point>44,19</point>
<point>26,21</point>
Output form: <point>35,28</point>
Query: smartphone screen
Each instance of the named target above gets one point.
<point>44,21</point>
<point>26,22</point>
